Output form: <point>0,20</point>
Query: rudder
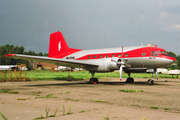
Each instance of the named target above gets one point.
<point>58,47</point>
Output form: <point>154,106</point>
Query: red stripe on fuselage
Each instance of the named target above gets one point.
<point>126,54</point>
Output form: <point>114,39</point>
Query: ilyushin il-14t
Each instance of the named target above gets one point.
<point>136,59</point>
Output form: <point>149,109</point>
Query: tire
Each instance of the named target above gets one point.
<point>91,80</point>
<point>96,80</point>
<point>150,82</point>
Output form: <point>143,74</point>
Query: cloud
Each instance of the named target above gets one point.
<point>163,15</point>
<point>160,3</point>
<point>175,27</point>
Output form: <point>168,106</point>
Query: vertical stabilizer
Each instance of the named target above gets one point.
<point>58,47</point>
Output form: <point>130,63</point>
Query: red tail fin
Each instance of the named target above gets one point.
<point>58,47</point>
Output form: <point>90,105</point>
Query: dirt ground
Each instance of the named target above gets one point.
<point>92,101</point>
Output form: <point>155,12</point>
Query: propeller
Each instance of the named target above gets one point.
<point>156,74</point>
<point>121,63</point>
<point>120,72</point>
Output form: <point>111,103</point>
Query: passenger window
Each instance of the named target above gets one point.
<point>100,56</point>
<point>143,54</point>
<point>106,56</point>
<point>94,56</point>
<point>89,57</point>
<point>126,55</point>
<point>152,53</point>
<point>113,55</point>
<point>119,55</point>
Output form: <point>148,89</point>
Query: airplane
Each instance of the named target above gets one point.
<point>135,59</point>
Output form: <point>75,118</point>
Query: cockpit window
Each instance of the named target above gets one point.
<point>163,52</point>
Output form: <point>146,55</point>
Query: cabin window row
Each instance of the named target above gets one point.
<point>113,55</point>
<point>102,56</point>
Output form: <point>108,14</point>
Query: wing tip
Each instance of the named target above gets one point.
<point>9,55</point>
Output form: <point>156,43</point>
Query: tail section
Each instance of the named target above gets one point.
<point>58,47</point>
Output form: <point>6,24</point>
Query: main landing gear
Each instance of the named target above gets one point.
<point>92,80</point>
<point>129,80</point>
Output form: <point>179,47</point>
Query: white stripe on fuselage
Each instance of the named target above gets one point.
<point>101,51</point>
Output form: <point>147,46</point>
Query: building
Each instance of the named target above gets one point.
<point>42,65</point>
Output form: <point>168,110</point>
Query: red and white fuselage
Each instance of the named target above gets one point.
<point>129,59</point>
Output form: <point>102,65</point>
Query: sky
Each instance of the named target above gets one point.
<point>91,24</point>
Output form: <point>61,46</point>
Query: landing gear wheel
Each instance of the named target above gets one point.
<point>150,82</point>
<point>96,80</point>
<point>129,80</point>
<point>91,80</point>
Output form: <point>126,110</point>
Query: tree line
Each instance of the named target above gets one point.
<point>8,49</point>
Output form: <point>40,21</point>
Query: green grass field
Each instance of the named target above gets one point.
<point>78,75</point>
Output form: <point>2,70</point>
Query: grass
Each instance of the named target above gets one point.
<point>34,75</point>
<point>50,96</point>
<point>63,109</point>
<point>3,116</point>
<point>154,107</point>
<point>41,117</point>
<point>107,117</point>
<point>23,98</point>
<point>166,108</point>
<point>70,99</point>
<point>9,91</point>
<point>67,92</point>
<point>46,96</point>
<point>47,109</point>
<point>69,112</point>
<point>82,111</point>
<point>143,118</point>
<point>126,90</point>
<point>99,101</point>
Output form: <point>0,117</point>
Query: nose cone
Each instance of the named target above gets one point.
<point>172,60</point>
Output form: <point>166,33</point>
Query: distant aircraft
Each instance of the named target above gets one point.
<point>130,59</point>
<point>170,72</point>
<point>6,67</point>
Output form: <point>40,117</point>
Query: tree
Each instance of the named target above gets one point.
<point>177,62</point>
<point>11,49</point>
<point>7,49</point>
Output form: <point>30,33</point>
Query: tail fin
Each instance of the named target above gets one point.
<point>58,47</point>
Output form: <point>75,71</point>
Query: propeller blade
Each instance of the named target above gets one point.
<point>156,74</point>
<point>120,71</point>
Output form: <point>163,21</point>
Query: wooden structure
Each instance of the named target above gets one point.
<point>17,75</point>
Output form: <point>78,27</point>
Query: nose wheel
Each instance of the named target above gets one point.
<point>150,82</point>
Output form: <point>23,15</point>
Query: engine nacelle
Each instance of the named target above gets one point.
<point>105,65</point>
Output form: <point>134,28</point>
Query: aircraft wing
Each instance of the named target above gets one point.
<point>69,62</point>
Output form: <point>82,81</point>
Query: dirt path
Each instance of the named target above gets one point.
<point>92,102</point>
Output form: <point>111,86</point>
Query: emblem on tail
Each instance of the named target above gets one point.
<point>59,46</point>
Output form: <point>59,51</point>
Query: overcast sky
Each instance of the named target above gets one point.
<point>91,24</point>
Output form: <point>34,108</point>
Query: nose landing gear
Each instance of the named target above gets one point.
<point>150,82</point>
